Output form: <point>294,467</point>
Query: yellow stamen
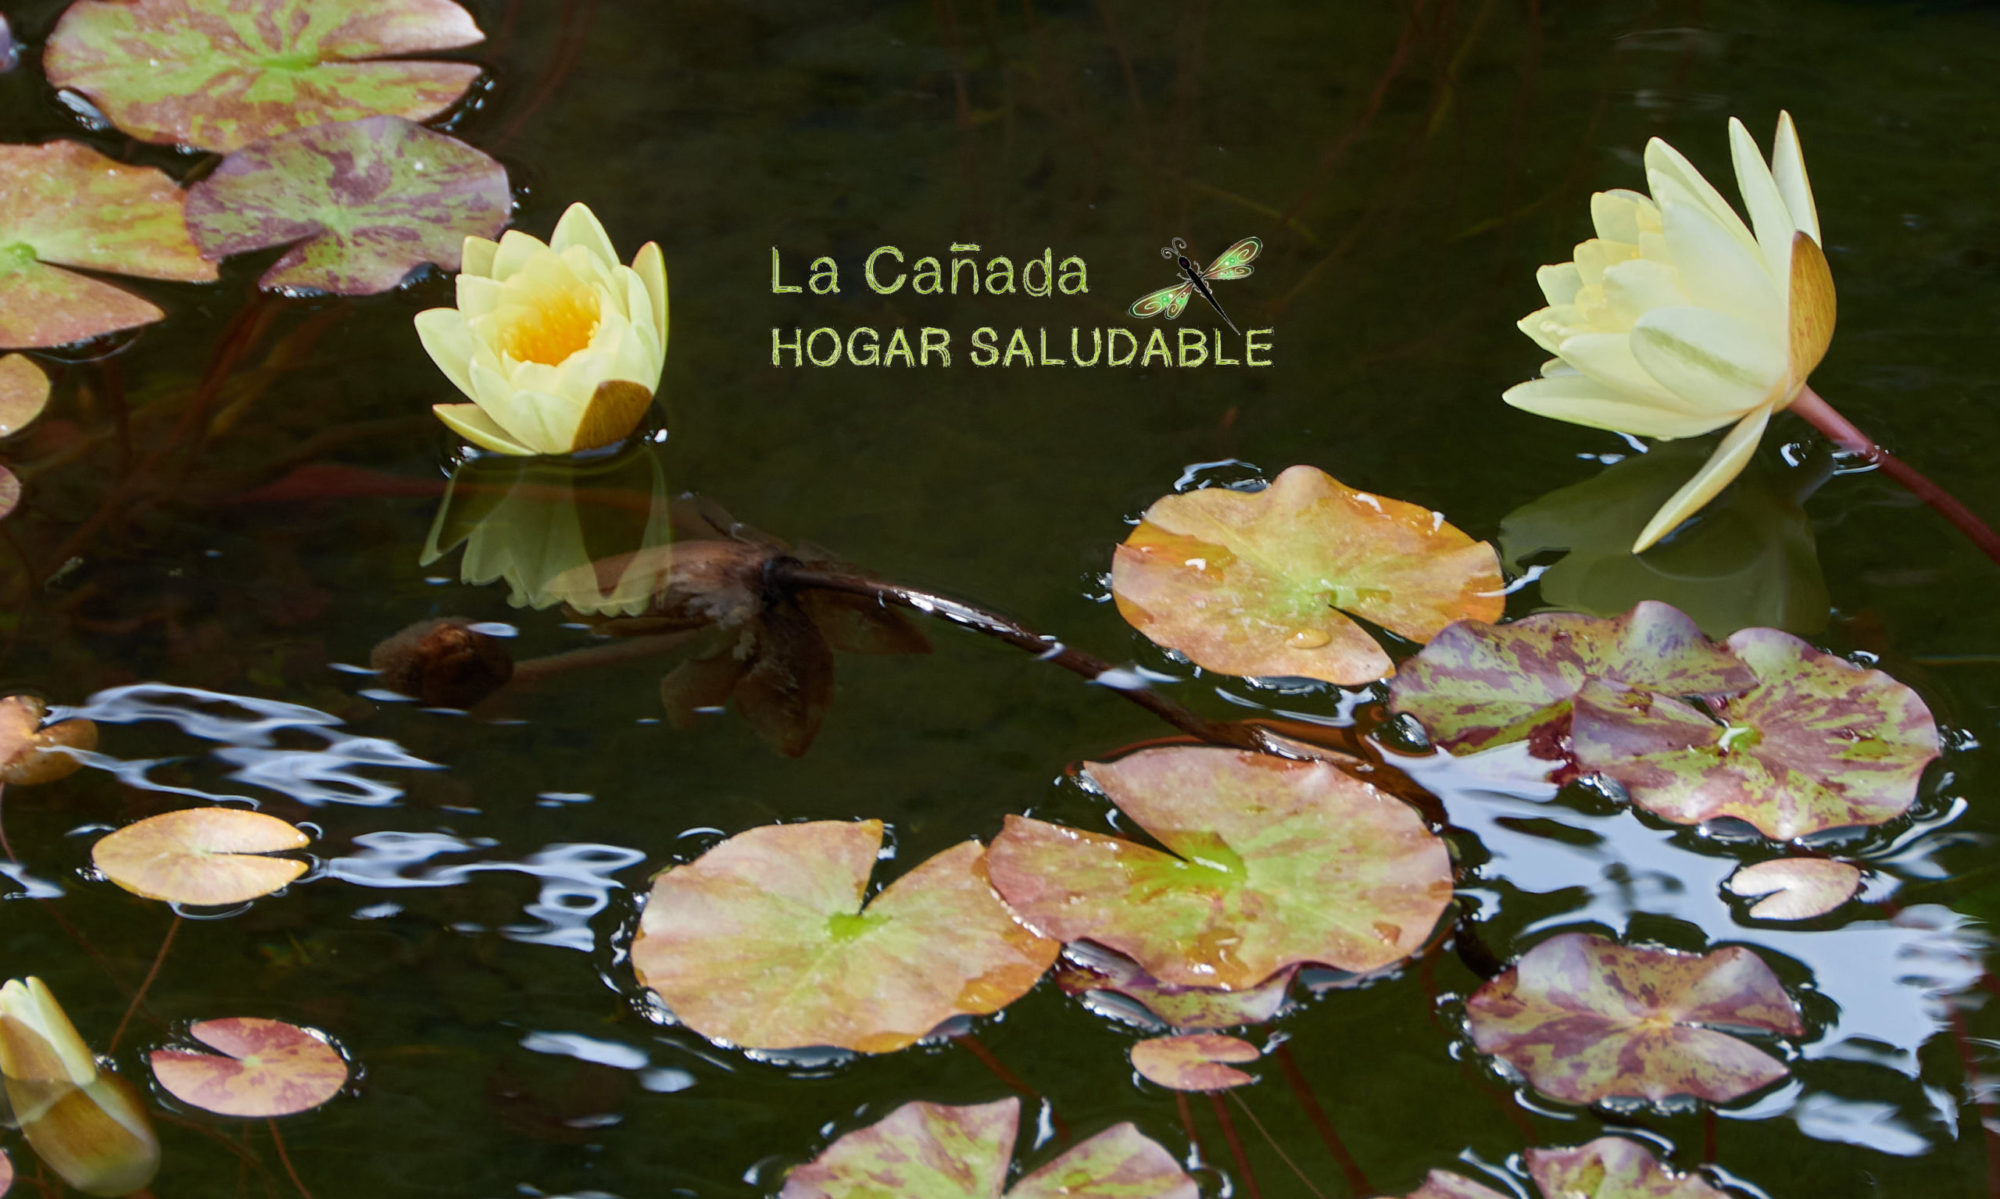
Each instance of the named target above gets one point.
<point>561,322</point>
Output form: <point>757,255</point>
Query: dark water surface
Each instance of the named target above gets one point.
<point>1407,165</point>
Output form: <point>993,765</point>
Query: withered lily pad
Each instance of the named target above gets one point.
<point>367,202</point>
<point>1255,583</point>
<point>1586,1018</point>
<point>1612,1168</point>
<point>65,205</point>
<point>1477,685</point>
<point>201,856</point>
<point>30,753</point>
<point>1272,863</point>
<point>933,1151</point>
<point>1817,743</point>
<point>1796,888</point>
<point>763,942</point>
<point>1195,1062</point>
<point>24,391</point>
<point>221,74</point>
<point>260,1068</point>
<point>1086,967</point>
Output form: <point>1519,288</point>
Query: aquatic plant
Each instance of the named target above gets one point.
<point>88,1125</point>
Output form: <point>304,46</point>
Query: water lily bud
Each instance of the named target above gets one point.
<point>443,663</point>
<point>87,1125</point>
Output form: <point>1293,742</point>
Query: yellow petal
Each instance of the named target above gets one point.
<point>1581,401</point>
<point>1632,289</point>
<point>1559,283</point>
<point>516,250</point>
<point>478,295</point>
<point>1673,180</point>
<point>1710,359</point>
<point>1607,358</point>
<point>1812,308</point>
<point>37,1041</point>
<point>1720,272</point>
<point>1544,328</point>
<point>1788,168</point>
<point>1768,214</point>
<point>1717,473</point>
<point>1596,254</point>
<point>98,1137</point>
<point>449,343</point>
<point>652,268</point>
<point>612,415</point>
<point>580,227</point>
<point>477,257</point>
<point>1616,214</point>
<point>471,423</point>
<point>536,420</point>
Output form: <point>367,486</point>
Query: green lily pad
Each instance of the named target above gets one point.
<point>201,856</point>
<point>934,1151</point>
<point>221,74</point>
<point>1612,1168</point>
<point>1478,685</point>
<point>65,205</point>
<point>1256,583</point>
<point>1085,967</point>
<point>24,392</point>
<point>763,941</point>
<point>367,202</point>
<point>1270,863</point>
<point>1194,1062</point>
<point>1796,888</point>
<point>1817,743</point>
<point>1585,1018</point>
<point>261,1068</point>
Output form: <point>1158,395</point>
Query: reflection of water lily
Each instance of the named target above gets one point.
<point>1677,319</point>
<point>559,345</point>
<point>87,1125</point>
<point>543,526</point>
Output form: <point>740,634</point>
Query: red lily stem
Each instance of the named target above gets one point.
<point>1187,1124</point>
<point>1302,1088</point>
<point>145,984</point>
<point>1243,1169</point>
<point>1012,1081</point>
<point>278,1143</point>
<point>1821,415</point>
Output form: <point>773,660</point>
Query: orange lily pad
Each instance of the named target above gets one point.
<point>30,753</point>
<point>1194,1062</point>
<point>65,205</point>
<point>201,856</point>
<point>1796,888</point>
<point>764,942</point>
<point>1612,1168</point>
<point>1264,583</point>
<point>260,1068</point>
<point>24,391</point>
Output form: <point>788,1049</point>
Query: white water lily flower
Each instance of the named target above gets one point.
<point>1677,318</point>
<point>86,1124</point>
<point>560,345</point>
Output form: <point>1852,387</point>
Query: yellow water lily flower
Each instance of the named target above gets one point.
<point>1677,318</point>
<point>559,345</point>
<point>86,1124</point>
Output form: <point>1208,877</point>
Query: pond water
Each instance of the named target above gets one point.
<point>225,512</point>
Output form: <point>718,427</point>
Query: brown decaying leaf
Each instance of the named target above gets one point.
<point>30,753</point>
<point>444,663</point>
<point>261,1068</point>
<point>201,856</point>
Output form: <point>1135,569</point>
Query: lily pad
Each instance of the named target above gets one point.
<point>221,74</point>
<point>1478,685</point>
<point>1796,888</point>
<point>1439,1184</point>
<point>30,753</point>
<point>65,205</point>
<point>24,391</point>
<point>1270,863</point>
<point>1195,1062</point>
<point>1612,1168</point>
<point>1586,1018</point>
<point>367,202</point>
<point>1256,583</point>
<point>261,1068</point>
<point>201,856</point>
<point>1817,743</point>
<point>763,941</point>
<point>6,1162</point>
<point>934,1151</point>
<point>1085,967</point>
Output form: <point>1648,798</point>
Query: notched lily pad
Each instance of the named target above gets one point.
<point>30,753</point>
<point>260,1068</point>
<point>1477,685</point>
<point>1256,583</point>
<point>24,391</point>
<point>1195,1062</point>
<point>1586,1019</point>
<point>763,941</point>
<point>1271,863</point>
<point>65,205</point>
<point>366,202</point>
<point>1796,888</point>
<point>1612,1168</point>
<point>201,856</point>
<point>934,1151</point>
<point>221,74</point>
<point>1816,743</point>
<point>1085,967</point>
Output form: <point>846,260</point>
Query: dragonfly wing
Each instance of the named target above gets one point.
<point>1234,263</point>
<point>1180,300</point>
<point>1169,300</point>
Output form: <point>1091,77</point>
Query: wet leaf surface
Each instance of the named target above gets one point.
<point>30,753</point>
<point>1612,1168</point>
<point>201,856</point>
<point>1796,888</point>
<point>65,205</point>
<point>366,203</point>
<point>1086,967</point>
<point>260,1068</point>
<point>24,391</point>
<point>1440,1184</point>
<point>1272,863</point>
<point>1586,1018</point>
<point>1479,684</point>
<point>221,74</point>
<point>934,1151</point>
<point>1255,583</point>
<point>1195,1062</point>
<point>763,941</point>
<point>1817,743</point>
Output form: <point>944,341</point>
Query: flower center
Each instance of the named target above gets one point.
<point>559,323</point>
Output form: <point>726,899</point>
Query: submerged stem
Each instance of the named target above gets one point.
<point>145,984</point>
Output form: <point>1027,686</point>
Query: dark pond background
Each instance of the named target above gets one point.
<point>1407,164</point>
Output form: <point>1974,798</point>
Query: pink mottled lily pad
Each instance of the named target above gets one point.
<point>763,941</point>
<point>1263,583</point>
<point>65,205</point>
<point>1612,1168</point>
<point>1796,888</point>
<point>1479,684</point>
<point>1586,1018</point>
<point>1270,863</point>
<point>201,856</point>
<point>260,1068</point>
<point>24,391</point>
<point>934,1151</point>
<point>1439,1184</point>
<point>1817,743</point>
<point>1087,967</point>
<point>362,204</point>
<point>1194,1062</point>
<point>221,74</point>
